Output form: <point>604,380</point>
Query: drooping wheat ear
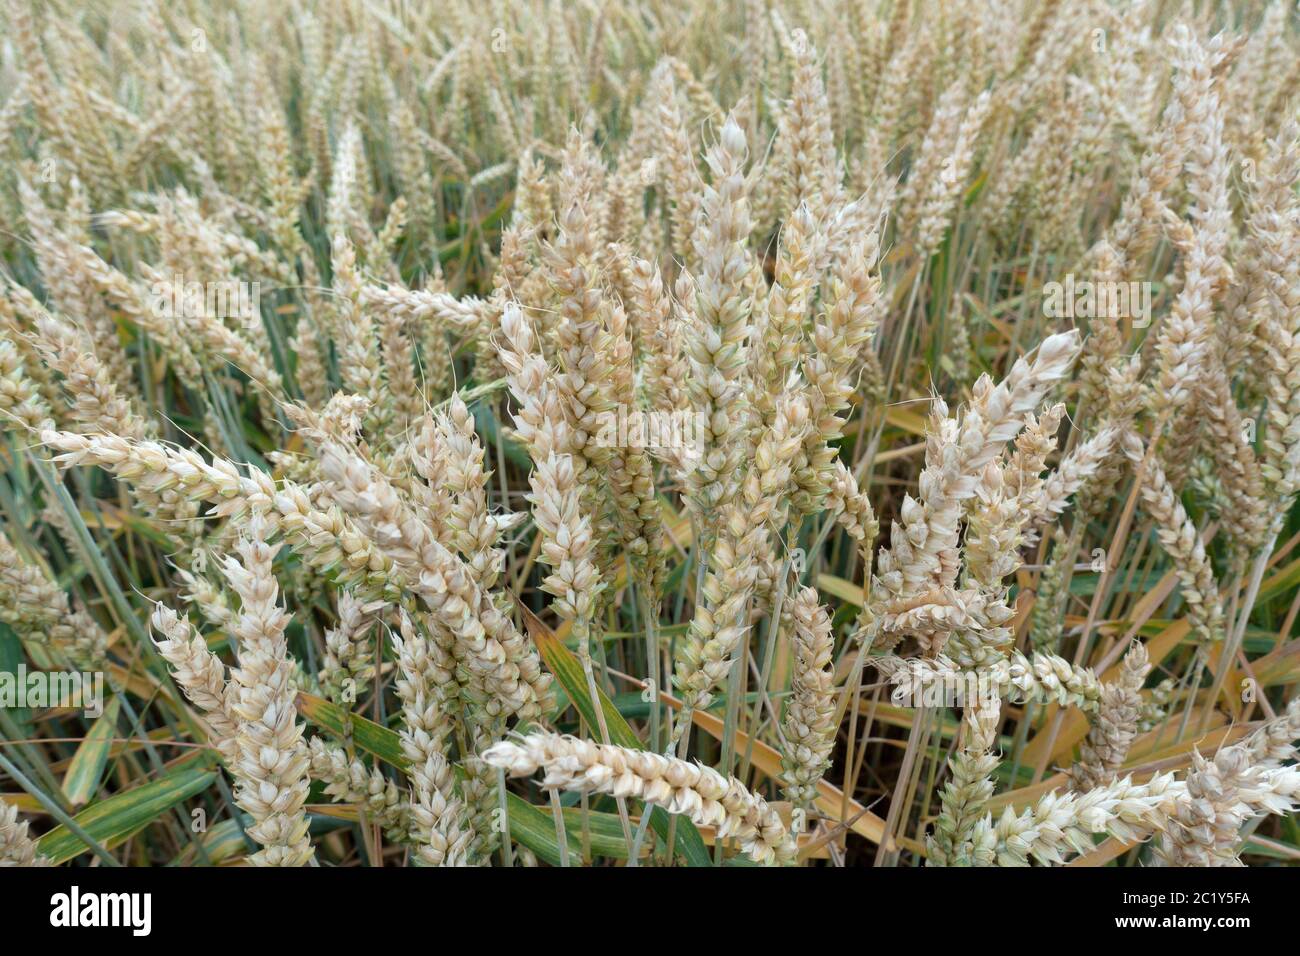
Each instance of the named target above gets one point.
<point>201,677</point>
<point>420,306</point>
<point>439,827</point>
<point>700,793</point>
<point>1182,542</point>
<point>157,468</point>
<point>563,412</point>
<point>809,725</point>
<point>16,847</point>
<point>1018,679</point>
<point>1115,725</point>
<point>541,422</point>
<point>716,339</point>
<point>1060,825</point>
<point>851,509</point>
<point>1199,818</point>
<point>349,651</point>
<point>965,796</point>
<point>38,610</point>
<point>271,767</point>
<point>350,781</point>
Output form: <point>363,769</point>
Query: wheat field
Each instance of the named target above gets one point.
<point>646,433</point>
